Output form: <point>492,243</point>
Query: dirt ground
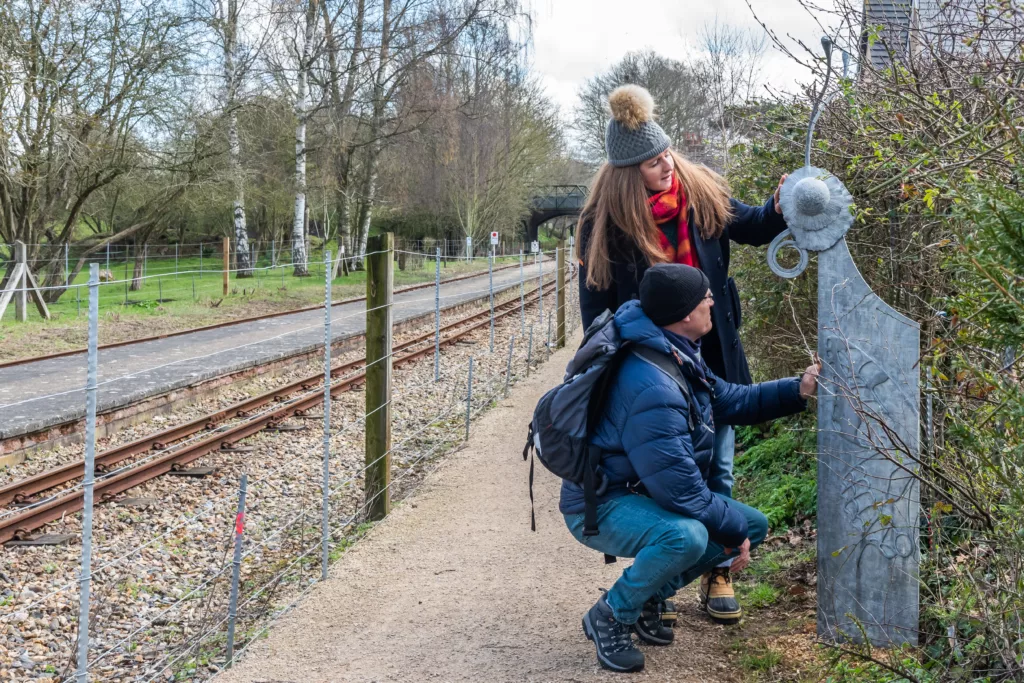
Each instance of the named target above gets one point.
<point>454,586</point>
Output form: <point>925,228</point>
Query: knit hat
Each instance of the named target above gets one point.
<point>632,135</point>
<point>671,291</point>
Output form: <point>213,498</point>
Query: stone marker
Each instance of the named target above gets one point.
<point>868,424</point>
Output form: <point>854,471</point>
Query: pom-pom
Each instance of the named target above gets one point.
<point>631,105</point>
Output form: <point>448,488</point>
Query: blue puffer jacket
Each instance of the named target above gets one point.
<point>646,438</point>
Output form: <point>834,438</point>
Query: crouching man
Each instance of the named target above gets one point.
<point>657,436</point>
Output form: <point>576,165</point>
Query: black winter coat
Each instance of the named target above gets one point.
<point>721,348</point>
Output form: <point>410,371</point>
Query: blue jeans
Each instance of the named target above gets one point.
<point>670,550</point>
<point>720,479</point>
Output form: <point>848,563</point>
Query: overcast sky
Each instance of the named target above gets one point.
<point>577,39</point>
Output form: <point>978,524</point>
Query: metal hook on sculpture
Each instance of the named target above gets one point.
<point>815,203</point>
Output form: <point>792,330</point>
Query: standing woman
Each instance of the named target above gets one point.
<point>649,205</point>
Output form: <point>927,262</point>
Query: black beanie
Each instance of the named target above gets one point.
<point>670,291</point>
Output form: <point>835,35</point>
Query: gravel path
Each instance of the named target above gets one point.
<point>454,586</point>
<point>36,395</point>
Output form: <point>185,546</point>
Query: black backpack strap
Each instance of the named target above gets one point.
<point>592,488</point>
<point>531,450</point>
<point>670,367</point>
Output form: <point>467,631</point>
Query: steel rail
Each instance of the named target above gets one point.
<point>19,525</point>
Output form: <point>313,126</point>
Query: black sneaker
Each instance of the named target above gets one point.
<point>650,626</point>
<point>613,639</point>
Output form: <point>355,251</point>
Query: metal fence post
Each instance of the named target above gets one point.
<point>548,345</point>
<point>529,351</point>
<point>273,253</point>
<point>437,316</point>
<point>67,271</point>
<point>560,296</point>
<point>380,269</point>
<point>490,288</point>
<point>200,260</point>
<point>193,288</point>
<point>469,396</point>
<point>522,296</point>
<point>175,260</point>
<point>145,259</point>
<point>324,523</point>
<point>236,567</point>
<point>88,480</point>
<point>540,285</point>
<point>226,248</point>
<point>508,368</point>
<point>108,255</point>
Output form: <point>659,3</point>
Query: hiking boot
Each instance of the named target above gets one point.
<point>718,598</point>
<point>669,614</point>
<point>651,627</point>
<point>613,639</point>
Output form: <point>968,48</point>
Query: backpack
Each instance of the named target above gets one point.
<point>567,415</point>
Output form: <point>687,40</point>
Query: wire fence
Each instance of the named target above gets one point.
<point>152,275</point>
<point>182,589</point>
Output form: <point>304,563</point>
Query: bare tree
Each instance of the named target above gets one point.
<point>683,108</point>
<point>88,94</point>
<point>727,72</point>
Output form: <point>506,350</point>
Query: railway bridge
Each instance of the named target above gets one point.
<point>554,201</point>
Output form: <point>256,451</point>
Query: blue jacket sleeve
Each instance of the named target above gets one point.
<point>755,225</point>
<point>657,443</point>
<point>741,404</point>
<point>593,302</point>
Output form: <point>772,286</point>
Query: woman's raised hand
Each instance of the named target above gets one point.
<point>778,191</point>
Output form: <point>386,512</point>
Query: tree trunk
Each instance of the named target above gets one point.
<point>302,115</point>
<point>137,270</point>
<point>366,210</point>
<point>243,267</point>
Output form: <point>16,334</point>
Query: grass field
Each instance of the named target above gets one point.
<point>170,302</point>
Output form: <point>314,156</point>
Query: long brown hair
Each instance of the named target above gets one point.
<point>618,202</point>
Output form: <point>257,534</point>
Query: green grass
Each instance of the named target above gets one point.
<point>776,471</point>
<point>169,302</point>
<point>761,660</point>
<point>759,595</point>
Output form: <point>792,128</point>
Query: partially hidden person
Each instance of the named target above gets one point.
<point>656,434</point>
<point>648,204</point>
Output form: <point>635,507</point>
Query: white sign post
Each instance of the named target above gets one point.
<point>534,247</point>
<point>469,247</point>
<point>494,239</point>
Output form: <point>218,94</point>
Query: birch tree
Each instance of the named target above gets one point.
<point>342,85</point>
<point>226,14</point>
<point>306,53</point>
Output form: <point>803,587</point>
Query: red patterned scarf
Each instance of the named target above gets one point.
<point>666,206</point>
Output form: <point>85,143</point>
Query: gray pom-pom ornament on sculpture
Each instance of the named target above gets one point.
<point>815,203</point>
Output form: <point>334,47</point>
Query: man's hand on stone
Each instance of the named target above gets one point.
<point>809,382</point>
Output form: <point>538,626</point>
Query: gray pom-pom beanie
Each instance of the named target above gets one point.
<point>633,136</point>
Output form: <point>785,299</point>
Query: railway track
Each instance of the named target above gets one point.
<point>295,399</point>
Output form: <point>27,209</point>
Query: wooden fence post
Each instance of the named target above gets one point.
<point>560,304</point>
<point>379,292</point>
<point>21,283</point>
<point>227,262</point>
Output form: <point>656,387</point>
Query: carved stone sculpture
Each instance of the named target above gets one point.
<point>868,423</point>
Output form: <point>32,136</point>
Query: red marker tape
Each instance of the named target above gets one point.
<point>240,523</point>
